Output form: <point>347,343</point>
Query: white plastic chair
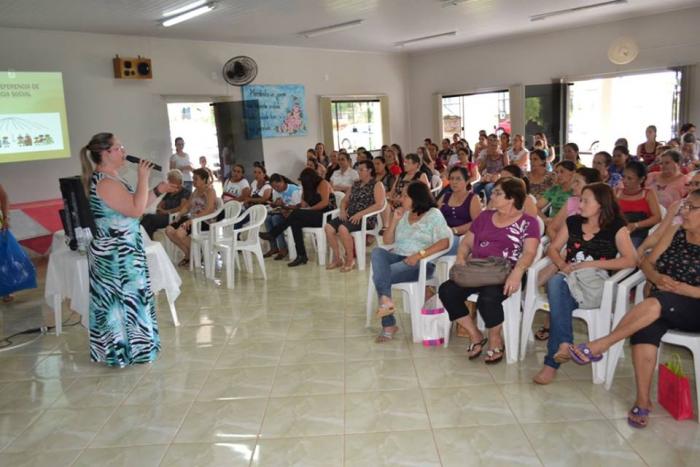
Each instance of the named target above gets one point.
<point>691,341</point>
<point>244,239</point>
<point>360,237</point>
<point>223,230</point>
<point>318,233</point>
<point>598,320</point>
<point>634,282</point>
<point>201,241</point>
<point>436,185</point>
<point>413,292</point>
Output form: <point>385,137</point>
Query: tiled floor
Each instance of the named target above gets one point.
<point>284,372</point>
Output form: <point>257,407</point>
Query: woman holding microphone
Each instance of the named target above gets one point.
<point>123,327</point>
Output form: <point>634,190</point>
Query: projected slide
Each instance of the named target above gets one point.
<point>33,124</point>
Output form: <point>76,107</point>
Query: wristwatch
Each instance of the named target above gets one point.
<point>422,253</point>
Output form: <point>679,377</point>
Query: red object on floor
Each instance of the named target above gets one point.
<point>46,214</point>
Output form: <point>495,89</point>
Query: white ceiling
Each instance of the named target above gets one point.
<point>278,22</point>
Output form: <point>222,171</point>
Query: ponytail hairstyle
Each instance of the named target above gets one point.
<point>91,154</point>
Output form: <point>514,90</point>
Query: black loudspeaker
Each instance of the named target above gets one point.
<point>77,219</point>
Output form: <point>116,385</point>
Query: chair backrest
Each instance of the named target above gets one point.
<point>232,209</point>
<point>256,217</point>
<point>339,195</point>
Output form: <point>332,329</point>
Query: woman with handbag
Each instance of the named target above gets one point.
<point>674,268</point>
<point>592,239</point>
<point>508,238</point>
<point>417,229</point>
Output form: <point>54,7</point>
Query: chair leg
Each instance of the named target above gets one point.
<point>360,251</point>
<point>248,261</point>
<point>511,327</point>
<point>599,327</point>
<point>614,354</point>
<point>173,311</point>
<point>526,326</point>
<point>321,248</point>
<point>230,267</point>
<point>291,246</point>
<point>370,295</point>
<point>261,262</point>
<point>696,360</point>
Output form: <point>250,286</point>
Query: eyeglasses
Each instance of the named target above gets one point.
<point>687,205</point>
<point>117,148</point>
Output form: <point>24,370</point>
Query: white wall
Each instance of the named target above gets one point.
<point>137,112</point>
<point>665,40</point>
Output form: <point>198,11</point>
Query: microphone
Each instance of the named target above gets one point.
<point>136,160</point>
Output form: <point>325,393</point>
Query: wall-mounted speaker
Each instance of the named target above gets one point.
<point>132,68</point>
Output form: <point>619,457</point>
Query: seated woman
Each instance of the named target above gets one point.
<point>491,161</point>
<point>316,199</point>
<point>285,197</point>
<point>464,159</point>
<point>459,206</point>
<point>554,198</point>
<point>312,163</point>
<point>201,203</point>
<point>412,172</point>
<point>539,177</point>
<point>260,188</point>
<point>236,187</point>
<point>382,174</point>
<point>343,178</point>
<point>393,163</point>
<point>583,176</point>
<point>506,231</point>
<point>417,229</point>
<point>603,162</point>
<point>670,220</point>
<point>673,267</point>
<point>530,206</point>
<point>639,205</point>
<point>171,203</point>
<point>620,158</point>
<point>669,183</point>
<point>367,195</point>
<point>593,239</point>
<point>518,154</point>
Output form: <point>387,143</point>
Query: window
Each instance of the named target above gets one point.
<point>602,110</point>
<point>357,124</point>
<point>466,114</point>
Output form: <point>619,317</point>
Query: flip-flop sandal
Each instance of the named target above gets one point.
<point>494,356</point>
<point>640,413</point>
<point>562,357</point>
<point>583,348</point>
<point>385,310</point>
<point>540,334</point>
<point>473,345</point>
<point>385,336</point>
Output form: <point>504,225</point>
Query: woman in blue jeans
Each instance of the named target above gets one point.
<point>417,229</point>
<point>593,239</point>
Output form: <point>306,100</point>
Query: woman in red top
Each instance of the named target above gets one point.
<point>647,150</point>
<point>392,162</point>
<point>640,206</point>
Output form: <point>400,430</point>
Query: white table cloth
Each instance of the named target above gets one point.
<point>67,277</point>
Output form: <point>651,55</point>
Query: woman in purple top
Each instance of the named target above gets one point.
<point>504,232</point>
<point>459,206</point>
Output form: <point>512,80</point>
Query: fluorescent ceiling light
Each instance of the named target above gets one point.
<point>329,29</point>
<point>542,16</point>
<point>425,38</point>
<point>188,15</point>
<point>449,3</point>
<point>183,9</point>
